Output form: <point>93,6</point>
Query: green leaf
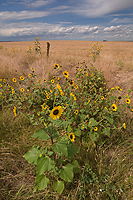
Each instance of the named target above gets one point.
<point>93,136</point>
<point>32,155</point>
<point>72,150</point>
<point>111,121</point>
<point>78,132</point>
<point>44,164</point>
<point>61,148</point>
<point>75,166</point>
<point>107,131</point>
<point>58,186</point>
<point>66,173</point>
<point>69,129</point>
<point>41,134</point>
<point>92,122</point>
<point>41,182</point>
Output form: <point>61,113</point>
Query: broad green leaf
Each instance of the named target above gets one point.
<point>92,122</point>
<point>69,129</point>
<point>107,131</point>
<point>72,150</point>
<point>44,164</point>
<point>111,121</point>
<point>77,132</point>
<point>32,155</point>
<point>93,136</point>
<point>58,186</point>
<point>41,134</point>
<point>60,147</point>
<point>75,166</point>
<point>66,173</point>
<point>41,182</point>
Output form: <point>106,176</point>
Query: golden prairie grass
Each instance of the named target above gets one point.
<point>115,59</point>
<point>115,160</point>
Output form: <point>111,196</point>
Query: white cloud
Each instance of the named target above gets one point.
<point>95,8</point>
<point>38,3</point>
<point>122,20</point>
<point>113,29</point>
<point>13,15</point>
<point>25,28</point>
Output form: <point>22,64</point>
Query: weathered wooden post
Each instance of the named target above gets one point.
<point>48,47</point>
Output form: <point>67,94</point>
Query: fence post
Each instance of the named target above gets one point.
<point>48,47</point>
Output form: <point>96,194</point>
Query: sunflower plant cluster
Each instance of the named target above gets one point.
<point>70,113</point>
<point>37,46</point>
<point>95,51</point>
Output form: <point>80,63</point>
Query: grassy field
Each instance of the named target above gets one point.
<point>110,172</point>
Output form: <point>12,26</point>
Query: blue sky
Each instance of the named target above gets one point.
<point>24,20</point>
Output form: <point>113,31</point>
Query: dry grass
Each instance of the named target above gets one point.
<point>17,176</point>
<point>115,60</point>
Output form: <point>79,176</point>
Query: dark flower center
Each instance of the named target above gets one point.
<point>113,107</point>
<point>71,137</point>
<point>56,112</point>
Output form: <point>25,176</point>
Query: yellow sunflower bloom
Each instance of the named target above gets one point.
<point>52,80</point>
<point>102,97</point>
<point>71,82</point>
<point>76,112</point>
<point>66,74</point>
<point>95,129</point>
<point>14,80</point>
<point>72,137</point>
<point>14,110</point>
<point>32,69</point>
<point>30,75</point>
<point>124,125</point>
<point>0,85</point>
<point>22,90</point>
<point>76,86</point>
<point>44,80</point>
<point>128,101</point>
<point>56,66</point>
<point>114,107</point>
<point>21,78</point>
<point>56,112</point>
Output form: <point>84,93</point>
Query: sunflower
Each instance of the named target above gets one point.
<point>86,73</point>
<point>22,89</point>
<point>72,137</point>
<point>58,86</point>
<point>32,69</point>
<point>14,80</point>
<point>66,74</point>
<point>127,101</point>
<point>21,78</point>
<point>114,107</point>
<point>14,110</point>
<point>74,97</point>
<point>52,80</point>
<point>88,102</point>
<point>71,82</point>
<point>56,66</point>
<point>76,86</point>
<point>124,125</point>
<point>30,75</point>
<point>95,129</point>
<point>39,80</point>
<point>76,112</point>
<point>44,80</point>
<point>56,112</point>
<point>102,97</point>
<point>0,85</point>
